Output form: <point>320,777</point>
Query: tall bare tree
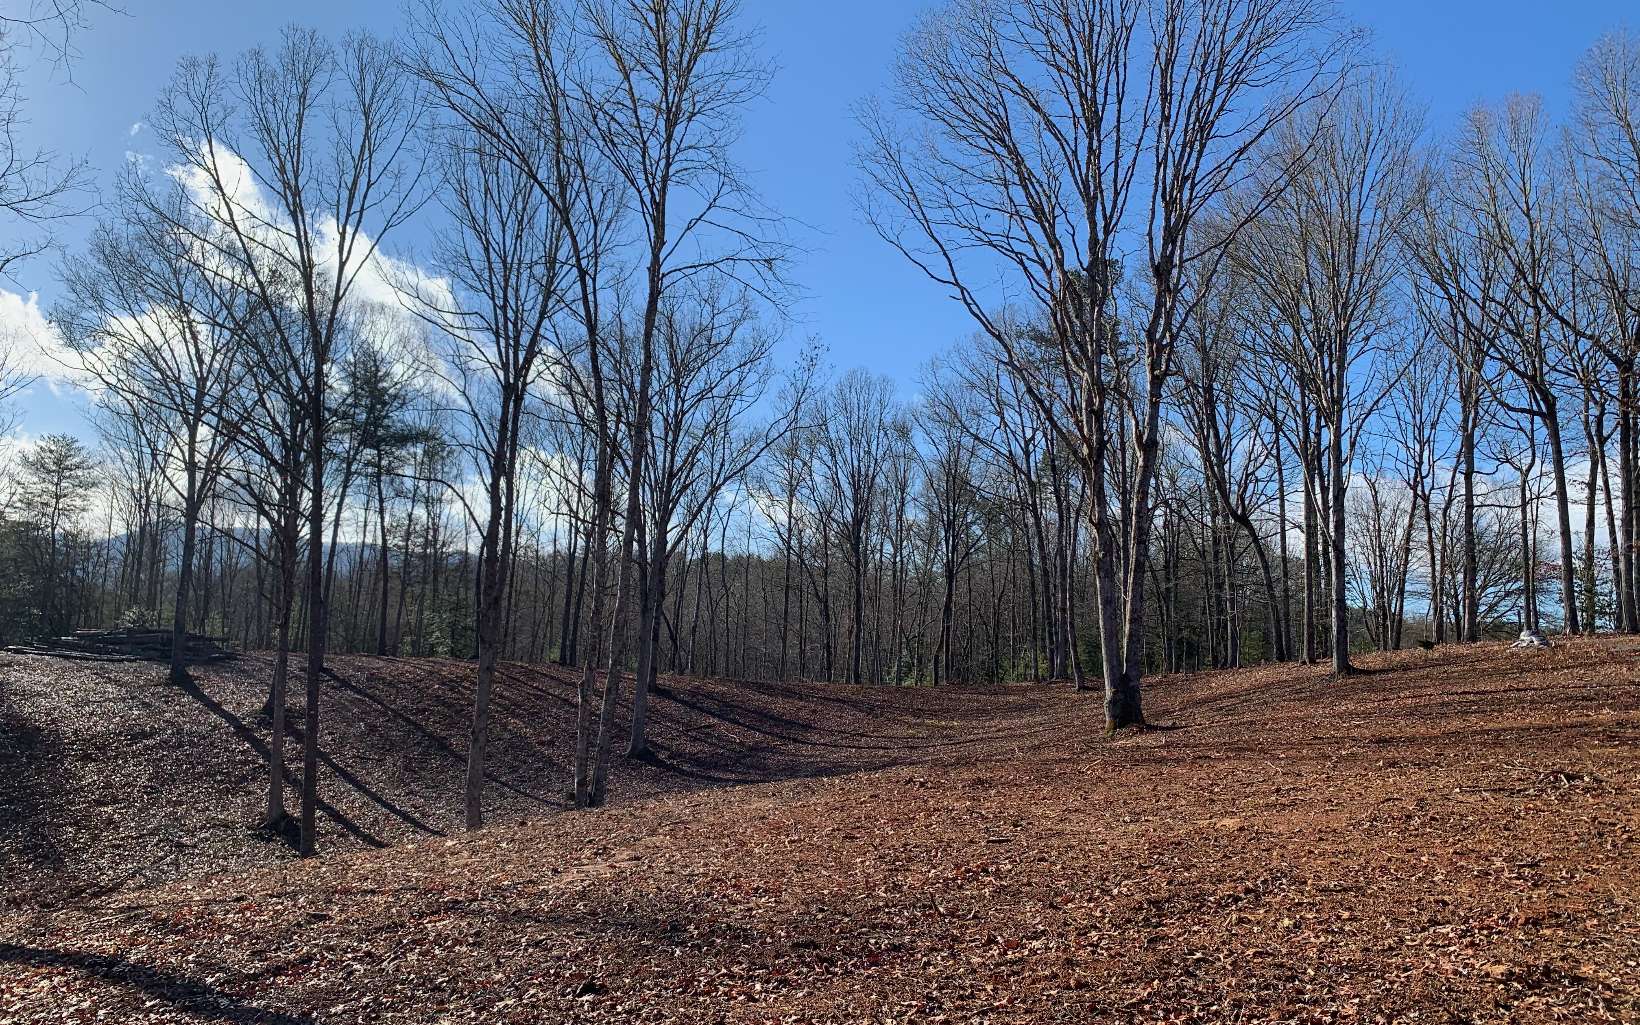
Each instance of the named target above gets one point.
<point>296,163</point>
<point>713,367</point>
<point>1024,142</point>
<point>1605,179</point>
<point>1521,215</point>
<point>1453,283</point>
<point>857,431</point>
<point>1324,255</point>
<point>504,262</point>
<point>160,343</point>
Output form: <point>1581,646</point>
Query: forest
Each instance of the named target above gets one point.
<point>1263,367</point>
<point>1234,620</point>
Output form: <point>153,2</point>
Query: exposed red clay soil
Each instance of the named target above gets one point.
<point>1452,837</point>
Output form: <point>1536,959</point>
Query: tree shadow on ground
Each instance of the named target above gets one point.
<point>184,994</point>
<point>249,736</point>
<point>32,787</point>
<point>426,735</point>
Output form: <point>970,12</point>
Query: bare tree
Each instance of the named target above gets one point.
<point>1216,392</point>
<point>267,474</point>
<point>512,80</point>
<point>1454,278</point>
<point>37,187</point>
<point>712,368</point>
<point>1605,241</point>
<point>857,431</point>
<point>1324,256</point>
<point>639,103</point>
<point>505,265</point>
<point>954,500</point>
<point>1026,139</point>
<point>295,163</point>
<point>159,342</point>
<point>1519,213</point>
<point>663,107</point>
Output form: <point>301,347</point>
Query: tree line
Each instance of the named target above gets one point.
<point>472,344</point>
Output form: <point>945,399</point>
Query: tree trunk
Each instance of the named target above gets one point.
<point>318,619</point>
<point>494,566</point>
<point>1340,595</point>
<point>598,552</point>
<point>381,527</point>
<point>185,582</point>
<point>276,813</point>
<point>1563,521</point>
<point>651,596</point>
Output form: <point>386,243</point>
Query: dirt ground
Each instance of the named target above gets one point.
<point>1451,837</point>
<point>111,777</point>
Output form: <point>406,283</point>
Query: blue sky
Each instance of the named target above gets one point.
<point>862,301</point>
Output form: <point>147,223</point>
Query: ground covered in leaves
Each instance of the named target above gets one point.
<point>1453,837</point>
<point>110,776</point>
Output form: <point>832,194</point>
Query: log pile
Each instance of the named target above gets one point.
<point>129,644</point>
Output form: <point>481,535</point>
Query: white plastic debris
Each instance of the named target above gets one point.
<point>1532,639</point>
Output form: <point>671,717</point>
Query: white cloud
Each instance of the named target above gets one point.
<point>239,198</point>
<point>13,445</point>
<point>33,345</point>
<point>136,126</point>
<point>380,284</point>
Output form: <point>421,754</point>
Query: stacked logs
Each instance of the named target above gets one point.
<point>128,644</point>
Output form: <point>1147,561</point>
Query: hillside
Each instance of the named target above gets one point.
<point>1449,838</point>
<point>110,776</point>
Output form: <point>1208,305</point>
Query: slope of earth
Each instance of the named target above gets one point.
<point>111,777</point>
<point>1449,838</point>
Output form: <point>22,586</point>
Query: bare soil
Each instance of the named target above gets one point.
<point>1450,837</point>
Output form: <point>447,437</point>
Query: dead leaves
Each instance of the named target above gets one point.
<point>1267,864</point>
